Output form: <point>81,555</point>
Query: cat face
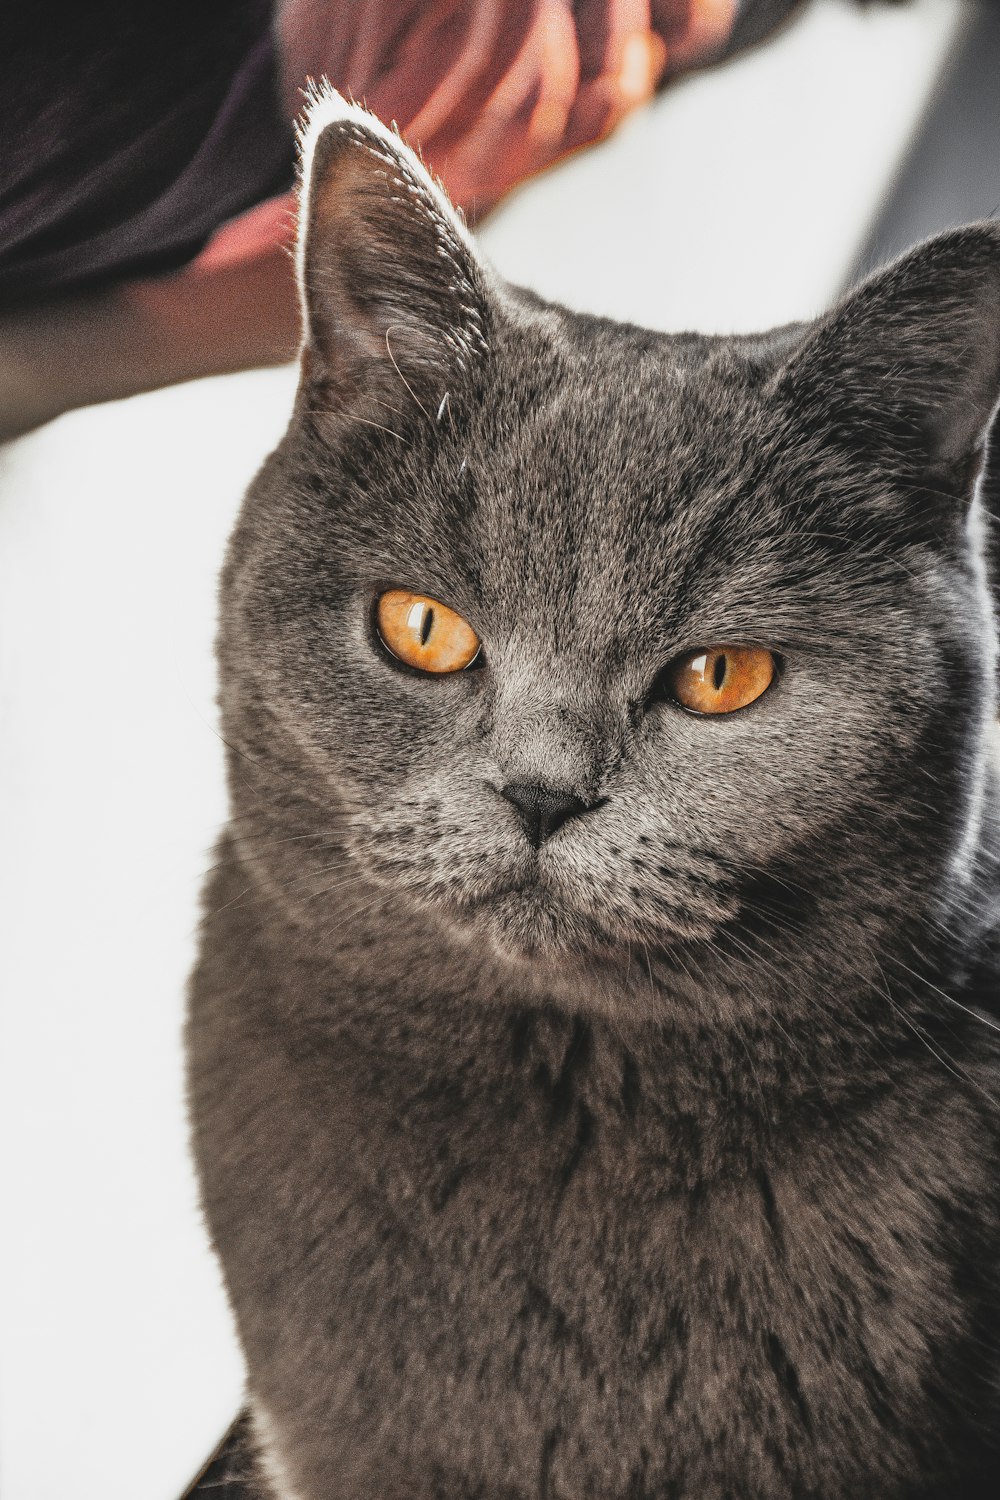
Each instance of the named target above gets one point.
<point>509,561</point>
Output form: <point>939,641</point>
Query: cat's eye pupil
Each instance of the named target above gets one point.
<point>719,670</point>
<point>427,625</point>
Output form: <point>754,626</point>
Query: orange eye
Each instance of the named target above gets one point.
<point>721,679</point>
<point>425,634</point>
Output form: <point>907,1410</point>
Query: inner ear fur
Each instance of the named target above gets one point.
<point>907,367</point>
<point>394,297</point>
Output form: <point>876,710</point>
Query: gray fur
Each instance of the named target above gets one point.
<point>657,1163</point>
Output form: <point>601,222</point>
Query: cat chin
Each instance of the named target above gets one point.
<point>531,928</point>
<point>527,924</point>
<point>535,928</point>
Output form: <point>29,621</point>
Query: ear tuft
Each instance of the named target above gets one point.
<point>393,290</point>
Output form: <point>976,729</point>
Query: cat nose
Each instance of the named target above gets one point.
<point>541,809</point>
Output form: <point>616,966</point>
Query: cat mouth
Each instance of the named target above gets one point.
<point>526,918</point>
<point>529,917</point>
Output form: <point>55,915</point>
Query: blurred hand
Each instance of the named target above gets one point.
<point>492,91</point>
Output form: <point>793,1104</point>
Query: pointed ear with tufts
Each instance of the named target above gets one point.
<point>906,370</point>
<point>394,296</point>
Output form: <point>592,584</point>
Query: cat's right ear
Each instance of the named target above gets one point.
<point>906,370</point>
<point>395,299</point>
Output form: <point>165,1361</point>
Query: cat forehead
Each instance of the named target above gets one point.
<point>596,391</point>
<point>578,510</point>
<point>586,437</point>
<point>610,436</point>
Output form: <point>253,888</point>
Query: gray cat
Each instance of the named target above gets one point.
<point>592,1091</point>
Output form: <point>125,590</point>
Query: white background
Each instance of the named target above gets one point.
<point>736,201</point>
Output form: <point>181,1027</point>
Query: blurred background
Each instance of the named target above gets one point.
<point>743,195</point>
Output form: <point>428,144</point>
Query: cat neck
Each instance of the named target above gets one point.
<point>735,1056</point>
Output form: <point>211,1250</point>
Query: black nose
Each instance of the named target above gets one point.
<point>541,810</point>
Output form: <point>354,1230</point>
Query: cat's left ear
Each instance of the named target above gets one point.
<point>907,368</point>
<point>394,295</point>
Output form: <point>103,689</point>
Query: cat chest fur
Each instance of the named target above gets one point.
<point>521,1262</point>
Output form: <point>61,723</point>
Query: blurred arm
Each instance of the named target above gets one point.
<point>210,320</point>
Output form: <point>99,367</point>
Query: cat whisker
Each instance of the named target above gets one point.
<point>950,999</point>
<point>210,916</point>
<point>399,372</point>
<point>884,990</point>
<point>379,425</point>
